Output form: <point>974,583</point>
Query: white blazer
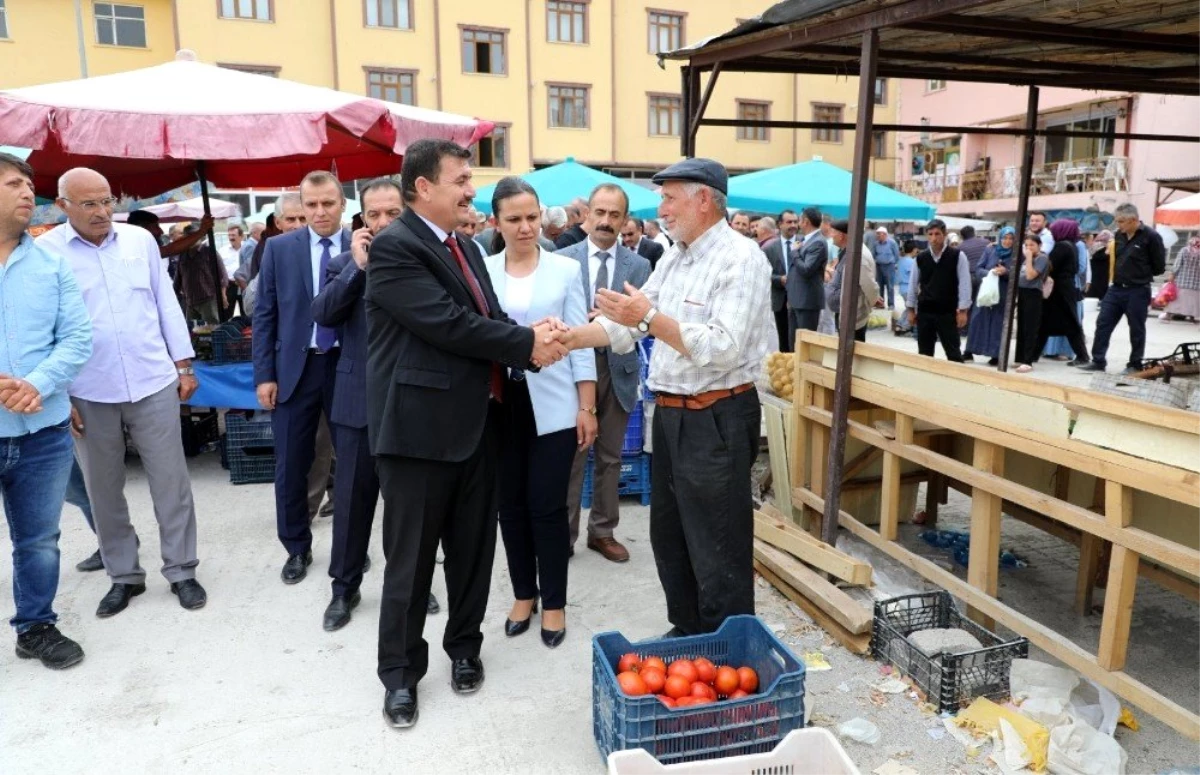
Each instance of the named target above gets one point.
<point>558,293</point>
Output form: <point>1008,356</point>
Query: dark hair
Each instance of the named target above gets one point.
<point>1042,213</point>
<point>507,188</point>
<point>1031,237</point>
<point>322,178</point>
<point>967,232</point>
<point>812,215</point>
<point>783,213</point>
<point>270,223</point>
<point>423,159</point>
<point>609,187</point>
<point>20,165</point>
<point>909,246</point>
<point>377,184</point>
<point>142,218</point>
<point>936,223</point>
<point>238,229</point>
<point>638,222</point>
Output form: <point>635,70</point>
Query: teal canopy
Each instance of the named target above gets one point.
<point>559,184</point>
<point>822,185</point>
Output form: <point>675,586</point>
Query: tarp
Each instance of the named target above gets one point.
<point>822,185</point>
<point>559,184</point>
<point>1182,213</point>
<point>228,386</point>
<point>188,210</point>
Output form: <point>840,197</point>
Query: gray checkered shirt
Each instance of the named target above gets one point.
<point>719,290</point>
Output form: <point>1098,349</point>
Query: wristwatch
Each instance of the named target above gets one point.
<point>644,324</point>
<point>186,371</point>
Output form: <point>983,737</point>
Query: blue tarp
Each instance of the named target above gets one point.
<point>822,185</point>
<point>559,184</point>
<point>228,386</point>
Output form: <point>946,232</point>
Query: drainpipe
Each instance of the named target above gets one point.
<point>612,80</point>
<point>333,41</point>
<point>175,22</point>
<point>529,81</point>
<point>83,68</point>
<point>437,51</point>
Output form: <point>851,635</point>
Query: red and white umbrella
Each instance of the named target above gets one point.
<point>187,210</point>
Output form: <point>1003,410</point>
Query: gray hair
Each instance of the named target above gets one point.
<point>287,199</point>
<point>1125,210</point>
<point>719,200</point>
<point>767,221</point>
<point>556,217</point>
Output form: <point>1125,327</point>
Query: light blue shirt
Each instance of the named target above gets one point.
<point>886,252</point>
<point>45,333</point>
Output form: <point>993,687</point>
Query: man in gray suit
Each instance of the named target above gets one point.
<point>806,275</point>
<point>605,263</point>
<point>780,252</point>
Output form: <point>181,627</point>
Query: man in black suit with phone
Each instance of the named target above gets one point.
<point>437,346</point>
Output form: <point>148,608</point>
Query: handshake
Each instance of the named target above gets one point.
<point>551,342</point>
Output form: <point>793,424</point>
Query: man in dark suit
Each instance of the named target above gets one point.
<point>577,216</point>
<point>780,252</point>
<point>295,359</point>
<point>634,238</point>
<point>806,275</point>
<point>437,344</point>
<point>340,305</point>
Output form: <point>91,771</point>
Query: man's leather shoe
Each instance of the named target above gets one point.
<point>191,594</point>
<point>296,567</point>
<point>400,707</point>
<point>91,563</point>
<point>609,548</point>
<point>1093,366</point>
<point>337,613</point>
<point>431,605</point>
<point>117,599</point>
<point>466,675</point>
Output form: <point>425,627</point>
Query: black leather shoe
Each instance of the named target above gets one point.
<point>553,638</point>
<point>466,675</point>
<point>117,599</point>
<point>43,641</point>
<point>1093,366</point>
<point>1078,362</point>
<point>513,629</point>
<point>296,567</point>
<point>400,707</point>
<point>90,564</point>
<point>431,606</point>
<point>191,594</point>
<point>337,613</point>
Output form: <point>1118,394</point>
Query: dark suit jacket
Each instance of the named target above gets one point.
<point>283,322</point>
<point>806,275</point>
<point>570,237</point>
<point>429,350</point>
<point>340,305</point>
<point>650,250</point>
<point>774,252</point>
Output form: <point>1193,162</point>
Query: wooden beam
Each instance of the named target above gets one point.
<point>1122,582</point>
<point>983,568</point>
<point>855,643</point>
<point>1069,34</point>
<point>1085,578</point>
<point>806,548</point>
<point>889,500</point>
<point>819,458</point>
<point>844,609</point>
<point>859,462</point>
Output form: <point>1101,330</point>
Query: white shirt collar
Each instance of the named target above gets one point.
<point>438,231</point>
<point>314,239</point>
<point>593,249</point>
<point>72,234</point>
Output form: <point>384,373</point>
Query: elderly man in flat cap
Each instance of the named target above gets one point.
<point>708,303</point>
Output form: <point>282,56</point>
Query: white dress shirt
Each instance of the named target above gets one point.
<point>594,267</point>
<point>788,246</point>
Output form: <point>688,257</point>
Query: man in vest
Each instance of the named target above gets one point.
<point>939,294</point>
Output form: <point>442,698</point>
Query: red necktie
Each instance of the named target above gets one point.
<point>477,292</point>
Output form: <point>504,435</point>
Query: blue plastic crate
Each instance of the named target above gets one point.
<point>633,431</point>
<point>229,345</point>
<point>635,478</point>
<point>249,450</point>
<point>731,728</point>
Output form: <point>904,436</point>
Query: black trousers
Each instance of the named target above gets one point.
<point>784,329</point>
<point>1029,320</point>
<point>535,472</point>
<point>294,423</point>
<point>1132,303</point>
<point>935,326</point>
<point>424,502</point>
<point>701,513</point>
<point>355,493</point>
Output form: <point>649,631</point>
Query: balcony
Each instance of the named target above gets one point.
<point>1105,173</point>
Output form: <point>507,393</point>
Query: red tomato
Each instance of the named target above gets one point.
<point>706,670</point>
<point>684,702</point>
<point>726,681</point>
<point>739,694</point>
<point>677,686</point>
<point>632,684</point>
<point>700,689</point>
<point>747,679</point>
<point>665,700</point>
<point>684,668</point>
<point>628,662</point>
<point>655,679</point>
<point>654,663</point>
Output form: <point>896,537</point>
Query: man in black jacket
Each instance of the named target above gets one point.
<point>939,294</point>
<point>1140,257</point>
<point>437,346</point>
<point>634,238</point>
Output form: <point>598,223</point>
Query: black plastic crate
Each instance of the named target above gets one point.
<point>950,681</point>
<point>230,344</point>
<point>199,429</point>
<point>249,450</point>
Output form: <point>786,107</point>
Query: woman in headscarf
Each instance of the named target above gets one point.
<point>1186,274</point>
<point>983,337</point>
<point>1060,315</point>
<point>1099,261</point>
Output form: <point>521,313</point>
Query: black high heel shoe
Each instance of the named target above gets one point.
<point>554,638</point>
<point>513,629</point>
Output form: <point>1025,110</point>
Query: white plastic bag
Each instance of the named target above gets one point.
<point>1078,749</point>
<point>989,291</point>
<point>860,730</point>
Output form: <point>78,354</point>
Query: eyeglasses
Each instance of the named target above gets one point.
<point>92,205</point>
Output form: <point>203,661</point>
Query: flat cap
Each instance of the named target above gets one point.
<point>710,173</point>
<point>841,225</point>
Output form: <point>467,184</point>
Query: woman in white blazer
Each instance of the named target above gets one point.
<point>547,415</point>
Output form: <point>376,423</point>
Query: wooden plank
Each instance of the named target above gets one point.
<point>1173,447</point>
<point>808,549</point>
<point>819,457</point>
<point>777,454</point>
<point>1085,578</point>
<point>802,396</point>
<point>844,609</point>
<point>983,568</point>
<point>1122,582</point>
<point>889,501</point>
<point>860,462</point>
<point>1040,635</point>
<point>855,643</point>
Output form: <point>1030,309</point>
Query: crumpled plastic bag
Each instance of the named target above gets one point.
<point>1078,749</point>
<point>859,730</point>
<point>1054,696</point>
<point>989,291</point>
<point>984,716</point>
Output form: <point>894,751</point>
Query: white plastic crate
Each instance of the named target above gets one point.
<point>803,752</point>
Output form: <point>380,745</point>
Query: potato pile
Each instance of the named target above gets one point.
<point>780,370</point>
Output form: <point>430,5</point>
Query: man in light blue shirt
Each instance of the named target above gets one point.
<point>887,256</point>
<point>45,339</point>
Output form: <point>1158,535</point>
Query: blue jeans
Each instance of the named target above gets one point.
<point>77,493</point>
<point>885,277</point>
<point>33,479</point>
<point>1132,303</point>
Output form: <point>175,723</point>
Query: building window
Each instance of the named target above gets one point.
<point>392,14</point>
<point>568,106</point>
<point>1081,148</point>
<point>120,25</point>
<point>935,84</point>
<point>270,71</point>
<point>880,91</point>
<point>483,51</point>
<point>566,22</point>
<point>258,10</point>
<point>392,85</point>
<point>879,147</point>
<point>666,31</point>
<point>666,112</point>
<point>753,111</point>
<point>830,114</point>
<point>492,151</point>
<point>3,21</point>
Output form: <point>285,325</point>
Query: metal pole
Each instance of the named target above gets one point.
<point>851,266</point>
<point>83,68</point>
<point>1031,113</point>
<point>212,240</point>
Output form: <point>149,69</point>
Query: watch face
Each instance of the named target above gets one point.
<point>643,327</point>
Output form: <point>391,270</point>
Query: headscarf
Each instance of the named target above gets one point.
<point>1065,229</point>
<point>1102,239</point>
<point>1003,253</point>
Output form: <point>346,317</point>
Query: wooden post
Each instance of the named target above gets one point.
<point>1122,582</point>
<point>819,457</point>
<point>983,569</point>
<point>1089,557</point>
<point>889,516</point>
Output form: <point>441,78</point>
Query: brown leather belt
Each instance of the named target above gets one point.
<point>700,400</point>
